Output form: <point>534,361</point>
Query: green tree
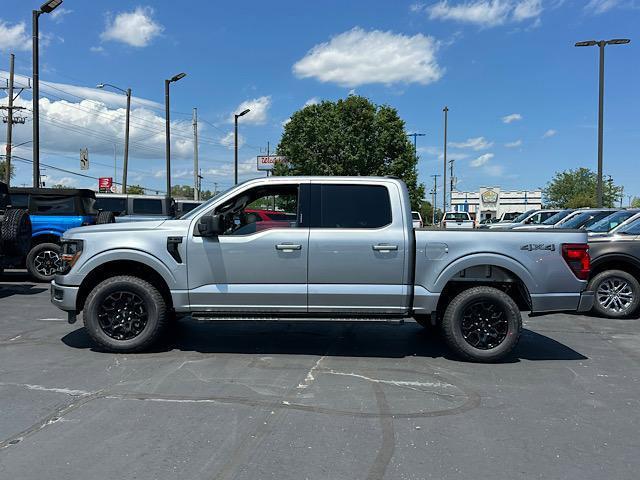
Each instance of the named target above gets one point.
<point>135,190</point>
<point>182,191</point>
<point>205,194</point>
<point>3,171</point>
<point>635,202</point>
<point>349,137</point>
<point>577,188</point>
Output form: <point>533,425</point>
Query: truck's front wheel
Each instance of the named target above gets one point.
<point>125,314</point>
<point>482,324</point>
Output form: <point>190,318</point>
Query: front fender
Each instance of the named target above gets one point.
<point>482,259</point>
<point>77,275</point>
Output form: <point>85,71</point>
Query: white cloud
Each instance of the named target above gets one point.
<point>514,117</point>
<point>59,13</point>
<point>485,13</point>
<point>358,57</point>
<point>549,133</point>
<point>50,181</point>
<point>477,143</point>
<point>515,144</point>
<point>98,49</point>
<point>312,101</point>
<point>258,107</point>
<point>601,6</point>
<point>527,9</point>
<point>481,160</point>
<point>494,170</point>
<point>285,121</point>
<point>229,140</point>
<point>135,28</point>
<point>14,37</point>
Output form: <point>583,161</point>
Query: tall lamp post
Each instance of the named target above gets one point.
<point>235,162</point>
<point>601,44</point>
<point>175,78</point>
<point>415,143</point>
<point>125,165</point>
<point>46,7</point>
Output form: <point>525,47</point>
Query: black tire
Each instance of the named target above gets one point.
<point>107,305</point>
<point>105,217</point>
<point>43,261</point>
<point>617,294</point>
<point>482,324</point>
<point>15,233</point>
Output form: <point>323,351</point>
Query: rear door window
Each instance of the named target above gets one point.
<point>147,206</point>
<point>116,205</point>
<point>353,206</point>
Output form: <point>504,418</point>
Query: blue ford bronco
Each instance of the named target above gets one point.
<point>53,211</point>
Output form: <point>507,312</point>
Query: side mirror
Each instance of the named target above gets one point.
<point>210,225</point>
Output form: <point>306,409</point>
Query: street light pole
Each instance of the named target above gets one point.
<point>415,145</point>
<point>601,44</point>
<point>235,143</point>
<point>175,78</point>
<point>46,7</point>
<point>125,165</point>
<point>444,175</point>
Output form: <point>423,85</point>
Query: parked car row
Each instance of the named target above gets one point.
<point>51,211</point>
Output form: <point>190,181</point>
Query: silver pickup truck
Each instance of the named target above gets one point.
<point>327,247</point>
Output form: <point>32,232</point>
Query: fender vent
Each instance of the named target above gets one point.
<point>172,248</point>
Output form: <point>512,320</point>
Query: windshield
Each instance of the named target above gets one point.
<point>415,215</point>
<point>633,228</point>
<point>522,216</point>
<point>611,222</point>
<point>585,219</point>
<point>204,206</point>
<point>458,217</point>
<point>553,219</point>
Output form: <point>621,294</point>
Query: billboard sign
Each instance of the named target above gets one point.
<point>267,162</point>
<point>105,184</point>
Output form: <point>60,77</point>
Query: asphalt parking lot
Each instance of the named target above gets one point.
<point>313,400</point>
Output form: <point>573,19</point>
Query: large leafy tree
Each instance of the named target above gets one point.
<point>577,188</point>
<point>135,189</point>
<point>349,137</point>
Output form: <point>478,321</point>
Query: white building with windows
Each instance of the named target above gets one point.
<point>492,202</point>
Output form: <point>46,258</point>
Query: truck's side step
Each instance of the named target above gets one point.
<point>206,317</point>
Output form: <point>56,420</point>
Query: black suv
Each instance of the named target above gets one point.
<point>15,231</point>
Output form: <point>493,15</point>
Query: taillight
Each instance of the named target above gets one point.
<point>577,257</point>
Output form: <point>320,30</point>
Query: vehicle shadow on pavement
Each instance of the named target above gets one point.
<point>349,339</point>
<point>10,289</point>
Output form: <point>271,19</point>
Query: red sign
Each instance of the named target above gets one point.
<point>105,184</point>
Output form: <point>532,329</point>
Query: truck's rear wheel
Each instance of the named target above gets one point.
<point>482,324</point>
<point>15,232</point>
<point>125,314</point>
<point>43,261</point>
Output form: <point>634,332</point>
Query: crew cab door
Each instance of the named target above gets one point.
<point>358,254</point>
<point>259,263</point>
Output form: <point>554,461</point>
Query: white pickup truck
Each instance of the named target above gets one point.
<point>457,220</point>
<point>306,247</point>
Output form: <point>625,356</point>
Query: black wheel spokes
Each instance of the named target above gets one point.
<point>484,325</point>
<point>122,315</point>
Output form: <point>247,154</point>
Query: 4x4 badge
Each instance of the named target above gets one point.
<point>538,246</point>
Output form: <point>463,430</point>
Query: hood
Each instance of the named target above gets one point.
<point>116,227</point>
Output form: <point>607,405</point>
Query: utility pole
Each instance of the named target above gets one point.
<point>452,182</point>
<point>10,120</point>
<point>444,188</point>
<point>433,197</point>
<point>196,186</point>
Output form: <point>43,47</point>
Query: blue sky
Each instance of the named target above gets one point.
<point>522,99</point>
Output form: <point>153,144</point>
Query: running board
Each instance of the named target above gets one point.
<point>209,316</point>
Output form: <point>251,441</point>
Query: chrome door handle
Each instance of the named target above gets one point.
<point>288,247</point>
<point>384,248</point>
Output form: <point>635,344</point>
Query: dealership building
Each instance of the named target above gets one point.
<point>492,202</point>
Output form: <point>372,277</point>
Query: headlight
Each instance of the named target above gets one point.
<point>71,251</point>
